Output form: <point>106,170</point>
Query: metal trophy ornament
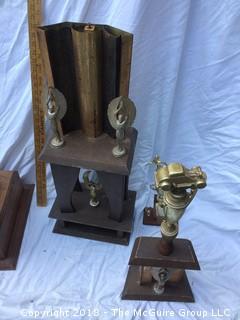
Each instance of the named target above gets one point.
<point>121,114</point>
<point>176,187</point>
<point>93,186</point>
<point>55,108</point>
<point>157,265</point>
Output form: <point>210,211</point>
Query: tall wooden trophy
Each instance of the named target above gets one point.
<point>157,265</point>
<point>87,70</point>
<point>15,200</point>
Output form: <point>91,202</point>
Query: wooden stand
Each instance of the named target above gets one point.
<point>15,199</point>
<point>149,215</point>
<point>146,254</point>
<point>112,220</point>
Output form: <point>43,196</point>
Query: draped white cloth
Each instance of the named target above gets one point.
<point>185,82</point>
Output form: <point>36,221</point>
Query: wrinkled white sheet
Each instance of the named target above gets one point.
<point>185,82</point>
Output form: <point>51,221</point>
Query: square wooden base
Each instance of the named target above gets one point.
<point>134,291</point>
<point>146,253</point>
<point>94,223</point>
<point>10,261</point>
<point>149,215</point>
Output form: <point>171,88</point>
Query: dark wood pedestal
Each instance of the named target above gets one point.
<point>112,220</point>
<point>15,200</point>
<point>146,253</point>
<point>149,215</point>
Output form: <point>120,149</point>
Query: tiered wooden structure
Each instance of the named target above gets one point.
<point>146,253</point>
<point>90,65</point>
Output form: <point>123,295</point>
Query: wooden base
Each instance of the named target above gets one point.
<point>96,153</point>
<point>94,222</point>
<point>149,215</point>
<point>14,208</point>
<point>146,253</point>
<point>180,291</point>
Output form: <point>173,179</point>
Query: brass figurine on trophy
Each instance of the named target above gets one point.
<point>157,264</point>
<point>121,114</point>
<point>172,183</point>
<point>93,186</point>
<point>56,107</point>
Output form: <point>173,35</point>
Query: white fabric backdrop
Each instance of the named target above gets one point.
<point>186,85</point>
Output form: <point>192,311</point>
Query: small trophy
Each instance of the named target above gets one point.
<point>56,108</point>
<point>121,114</point>
<point>157,265</point>
<point>93,186</point>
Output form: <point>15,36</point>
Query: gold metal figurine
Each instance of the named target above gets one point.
<point>121,114</point>
<point>176,187</point>
<point>93,187</point>
<point>56,108</point>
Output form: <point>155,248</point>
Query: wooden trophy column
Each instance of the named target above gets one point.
<point>15,199</point>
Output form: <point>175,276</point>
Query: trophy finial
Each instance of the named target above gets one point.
<point>121,114</point>
<point>56,108</point>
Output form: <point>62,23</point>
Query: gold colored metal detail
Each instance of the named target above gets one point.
<point>176,187</point>
<point>89,27</point>
<point>121,114</point>
<point>93,187</point>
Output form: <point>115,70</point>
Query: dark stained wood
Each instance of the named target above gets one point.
<point>89,67</point>
<point>93,222</point>
<point>125,67</point>
<point>149,215</point>
<point>45,57</point>
<point>111,75</point>
<point>114,187</point>
<point>87,50</point>
<point>78,186</point>
<point>65,180</point>
<point>79,151</point>
<point>13,188</point>
<point>5,178</point>
<point>60,54</point>
<point>15,202</point>
<point>180,291</point>
<point>146,253</point>
<point>92,233</point>
<point>125,60</point>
